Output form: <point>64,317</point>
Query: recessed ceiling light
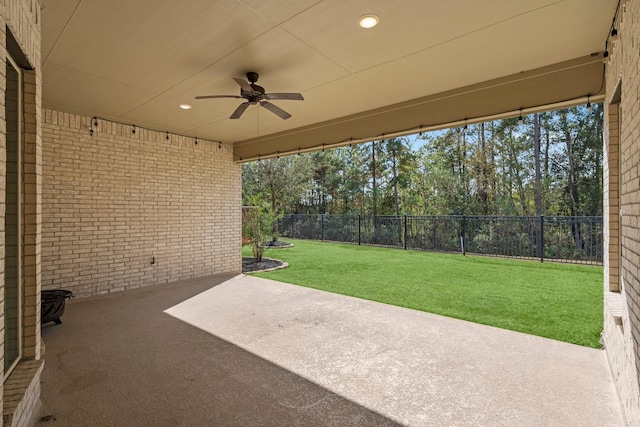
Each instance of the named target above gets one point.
<point>185,106</point>
<point>368,21</point>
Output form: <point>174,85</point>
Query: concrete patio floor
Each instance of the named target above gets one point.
<point>244,351</point>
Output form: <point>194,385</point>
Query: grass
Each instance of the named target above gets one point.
<point>558,301</point>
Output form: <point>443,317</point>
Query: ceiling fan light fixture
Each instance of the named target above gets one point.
<point>369,20</point>
<point>185,106</point>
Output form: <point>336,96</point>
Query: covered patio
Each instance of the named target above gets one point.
<point>116,180</point>
<point>243,351</point>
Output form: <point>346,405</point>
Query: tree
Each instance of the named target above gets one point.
<point>325,180</point>
<point>444,157</point>
<point>352,190</point>
<point>373,179</point>
<point>397,163</point>
<point>549,165</point>
<point>536,154</point>
<point>258,222</point>
<point>282,181</point>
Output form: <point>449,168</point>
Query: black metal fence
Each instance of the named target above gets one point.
<point>571,239</point>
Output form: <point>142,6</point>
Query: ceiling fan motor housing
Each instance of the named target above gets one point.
<point>255,96</point>
<point>252,76</point>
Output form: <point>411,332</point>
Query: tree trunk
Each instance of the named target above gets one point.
<point>538,198</point>
<point>536,154</point>
<point>494,179</point>
<point>394,164</point>
<point>373,173</point>
<point>517,179</point>
<point>572,184</point>
<point>484,179</point>
<point>463,162</point>
<point>546,152</point>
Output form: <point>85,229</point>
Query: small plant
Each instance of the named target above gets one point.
<point>258,226</point>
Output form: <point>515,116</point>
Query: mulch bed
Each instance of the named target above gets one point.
<point>249,265</point>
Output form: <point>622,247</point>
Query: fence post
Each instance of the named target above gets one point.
<point>541,243</point>
<point>322,227</point>
<point>405,232</point>
<point>359,222</point>
<point>464,235</point>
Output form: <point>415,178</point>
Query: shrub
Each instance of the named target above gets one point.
<point>258,227</point>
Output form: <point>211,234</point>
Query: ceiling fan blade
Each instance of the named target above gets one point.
<point>244,85</point>
<point>275,110</point>
<point>290,96</point>
<point>236,114</point>
<point>217,96</point>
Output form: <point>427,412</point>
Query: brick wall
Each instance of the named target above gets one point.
<point>123,210</point>
<point>22,394</point>
<point>622,306</point>
<point>21,19</point>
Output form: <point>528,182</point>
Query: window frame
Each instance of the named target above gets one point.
<point>19,298</point>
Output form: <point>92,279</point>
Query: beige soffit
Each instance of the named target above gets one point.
<point>561,85</point>
<point>428,63</point>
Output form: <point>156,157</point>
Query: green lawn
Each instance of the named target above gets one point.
<point>559,301</point>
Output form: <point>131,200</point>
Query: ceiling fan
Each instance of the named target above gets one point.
<point>256,94</point>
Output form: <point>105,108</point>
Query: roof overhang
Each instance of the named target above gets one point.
<point>560,85</point>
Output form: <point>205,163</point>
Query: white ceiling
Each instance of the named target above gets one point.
<point>136,61</point>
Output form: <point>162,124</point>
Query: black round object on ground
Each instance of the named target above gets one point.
<point>52,305</point>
